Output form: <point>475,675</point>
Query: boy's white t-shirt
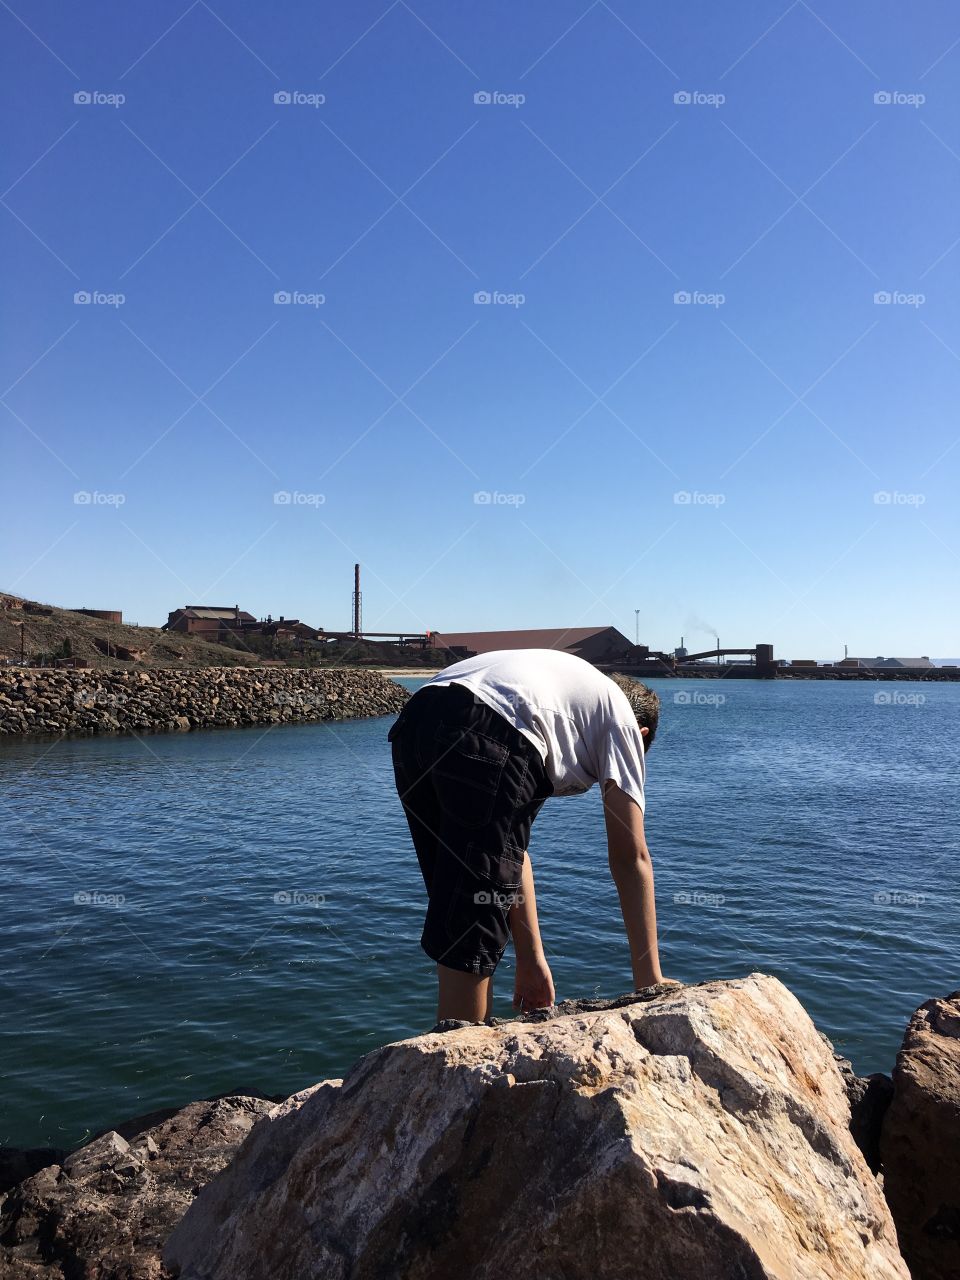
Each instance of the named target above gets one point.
<point>578,719</point>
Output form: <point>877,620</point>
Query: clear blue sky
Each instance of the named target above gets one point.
<point>781,411</point>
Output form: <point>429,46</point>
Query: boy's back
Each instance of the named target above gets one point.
<point>578,719</point>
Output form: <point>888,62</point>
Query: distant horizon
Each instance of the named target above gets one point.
<point>740,641</point>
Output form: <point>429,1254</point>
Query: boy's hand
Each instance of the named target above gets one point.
<point>533,986</point>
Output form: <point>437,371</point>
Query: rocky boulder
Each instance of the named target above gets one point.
<point>700,1132</point>
<point>920,1142</point>
<point>106,1210</point>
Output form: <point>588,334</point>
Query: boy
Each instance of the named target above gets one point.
<point>476,751</point>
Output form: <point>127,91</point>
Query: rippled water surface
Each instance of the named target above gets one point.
<point>194,913</point>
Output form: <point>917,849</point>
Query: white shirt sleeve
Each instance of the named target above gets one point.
<point>620,757</point>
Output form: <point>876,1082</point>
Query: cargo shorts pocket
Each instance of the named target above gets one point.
<point>468,771</point>
<point>487,886</point>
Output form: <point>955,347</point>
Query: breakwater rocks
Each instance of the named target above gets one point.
<point>44,701</point>
<point>104,1212</point>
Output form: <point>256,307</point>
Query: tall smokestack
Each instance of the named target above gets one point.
<point>356,601</point>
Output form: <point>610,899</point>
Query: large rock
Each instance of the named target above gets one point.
<point>920,1143</point>
<point>106,1210</point>
<point>695,1133</point>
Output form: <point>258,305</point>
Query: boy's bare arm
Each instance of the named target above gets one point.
<point>534,983</point>
<point>632,871</point>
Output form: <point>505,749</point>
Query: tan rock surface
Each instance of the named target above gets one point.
<point>702,1133</point>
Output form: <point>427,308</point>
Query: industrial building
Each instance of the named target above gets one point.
<point>105,615</point>
<point>595,644</point>
<point>888,664</point>
<point>207,622</point>
<point>219,625</point>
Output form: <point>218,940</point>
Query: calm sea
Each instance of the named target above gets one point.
<point>189,914</point>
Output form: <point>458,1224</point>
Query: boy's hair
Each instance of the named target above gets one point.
<point>645,704</point>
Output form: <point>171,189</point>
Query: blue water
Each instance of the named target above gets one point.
<point>808,832</point>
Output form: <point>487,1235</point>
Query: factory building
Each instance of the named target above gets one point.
<point>888,664</point>
<point>595,644</point>
<point>219,624</point>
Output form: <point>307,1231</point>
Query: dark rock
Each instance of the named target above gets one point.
<point>869,1098</point>
<point>920,1141</point>
<point>15,1164</point>
<point>104,1211</point>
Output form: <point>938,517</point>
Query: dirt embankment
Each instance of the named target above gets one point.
<point>49,633</point>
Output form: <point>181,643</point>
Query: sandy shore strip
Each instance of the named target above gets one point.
<point>426,672</point>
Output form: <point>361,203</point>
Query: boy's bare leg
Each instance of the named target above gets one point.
<point>465,996</point>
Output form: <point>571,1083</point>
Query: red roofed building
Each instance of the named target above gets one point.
<point>595,644</point>
<point>207,622</point>
<point>220,625</point>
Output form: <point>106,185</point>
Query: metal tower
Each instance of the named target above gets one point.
<point>357,599</point>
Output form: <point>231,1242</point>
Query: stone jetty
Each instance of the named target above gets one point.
<point>48,701</point>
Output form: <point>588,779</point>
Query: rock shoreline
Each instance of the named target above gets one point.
<point>47,702</point>
<point>706,1131</point>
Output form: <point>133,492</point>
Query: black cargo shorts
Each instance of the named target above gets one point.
<point>471,785</point>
